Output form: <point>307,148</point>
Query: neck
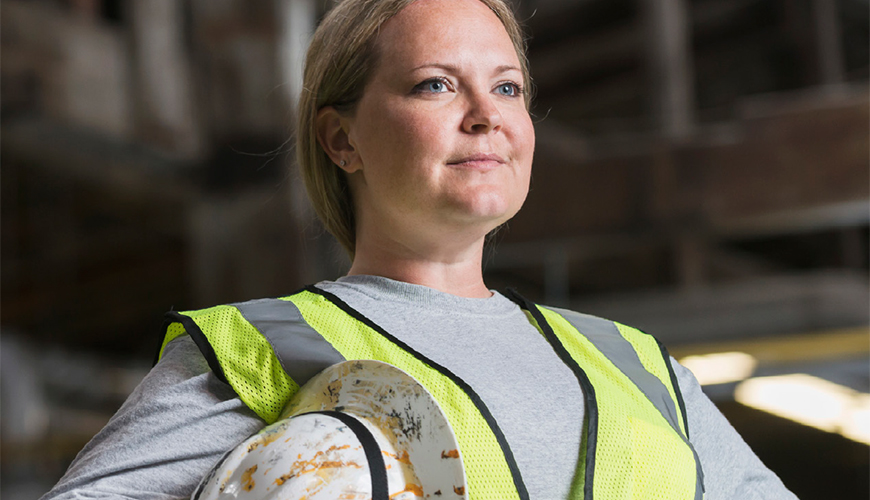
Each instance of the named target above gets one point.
<point>457,271</point>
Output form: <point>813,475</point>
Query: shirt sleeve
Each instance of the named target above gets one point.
<point>168,434</point>
<point>731,468</point>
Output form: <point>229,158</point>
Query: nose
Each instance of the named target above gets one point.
<point>482,116</point>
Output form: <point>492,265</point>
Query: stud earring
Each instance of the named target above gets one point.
<point>342,163</point>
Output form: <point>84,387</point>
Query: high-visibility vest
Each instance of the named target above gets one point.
<point>635,443</point>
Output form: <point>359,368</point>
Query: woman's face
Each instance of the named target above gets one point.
<point>441,139</point>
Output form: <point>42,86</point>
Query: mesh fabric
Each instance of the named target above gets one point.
<point>651,445</point>
<point>652,360</point>
<point>247,359</point>
<point>173,331</point>
<point>486,469</point>
<point>638,455</point>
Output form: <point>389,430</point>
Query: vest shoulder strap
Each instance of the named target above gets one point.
<point>263,348</point>
<point>662,459</point>
<point>635,443</point>
<point>640,357</point>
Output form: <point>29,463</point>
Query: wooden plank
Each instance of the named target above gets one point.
<point>841,343</point>
<point>669,60</point>
<point>806,156</point>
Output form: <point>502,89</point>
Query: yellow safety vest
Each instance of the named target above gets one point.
<point>635,444</point>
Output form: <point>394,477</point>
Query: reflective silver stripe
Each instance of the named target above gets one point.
<point>302,351</point>
<point>605,336</point>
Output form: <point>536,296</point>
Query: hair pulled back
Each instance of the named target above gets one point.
<point>340,61</point>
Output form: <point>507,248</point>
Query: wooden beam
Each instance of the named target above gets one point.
<point>795,160</point>
<point>842,343</point>
<point>672,101</point>
<point>764,306</point>
<point>829,47</point>
<point>166,114</point>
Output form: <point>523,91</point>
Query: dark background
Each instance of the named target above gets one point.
<point>701,173</point>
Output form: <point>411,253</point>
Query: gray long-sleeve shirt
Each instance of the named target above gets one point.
<point>181,419</point>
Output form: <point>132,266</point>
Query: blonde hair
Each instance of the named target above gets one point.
<point>339,64</point>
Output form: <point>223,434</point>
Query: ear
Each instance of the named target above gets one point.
<point>333,137</point>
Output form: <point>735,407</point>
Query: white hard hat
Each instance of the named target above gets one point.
<point>357,430</point>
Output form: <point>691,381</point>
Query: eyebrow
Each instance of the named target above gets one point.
<point>450,67</point>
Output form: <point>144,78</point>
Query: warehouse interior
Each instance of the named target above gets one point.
<point>702,172</point>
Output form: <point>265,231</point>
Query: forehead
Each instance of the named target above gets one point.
<point>446,31</point>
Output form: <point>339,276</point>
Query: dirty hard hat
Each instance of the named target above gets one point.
<point>357,430</point>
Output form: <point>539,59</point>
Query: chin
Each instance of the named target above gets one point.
<point>489,210</point>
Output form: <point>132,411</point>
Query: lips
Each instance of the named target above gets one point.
<point>478,160</point>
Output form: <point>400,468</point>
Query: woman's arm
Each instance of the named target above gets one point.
<point>168,434</point>
<point>731,468</point>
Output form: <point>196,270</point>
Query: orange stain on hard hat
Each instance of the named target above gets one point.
<point>247,478</point>
<point>317,464</point>
<point>409,488</point>
<point>450,454</point>
<point>268,438</point>
<point>401,458</point>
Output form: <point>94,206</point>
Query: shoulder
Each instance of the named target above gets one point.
<point>591,325</point>
<point>231,316</point>
<point>226,328</point>
<point>232,307</point>
<point>166,435</point>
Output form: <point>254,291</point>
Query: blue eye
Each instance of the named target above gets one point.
<point>508,89</point>
<point>433,86</point>
<point>436,86</point>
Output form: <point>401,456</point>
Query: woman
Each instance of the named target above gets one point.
<point>415,142</point>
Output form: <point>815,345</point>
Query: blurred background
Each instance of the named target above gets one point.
<point>701,173</point>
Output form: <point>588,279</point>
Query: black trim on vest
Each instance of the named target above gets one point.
<point>582,378</point>
<point>674,382</point>
<point>377,467</point>
<point>159,350</point>
<point>682,404</point>
<point>481,407</point>
<point>199,339</point>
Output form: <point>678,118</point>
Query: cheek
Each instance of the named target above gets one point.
<point>396,148</point>
<point>419,130</point>
<point>523,141</point>
<point>402,133</point>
